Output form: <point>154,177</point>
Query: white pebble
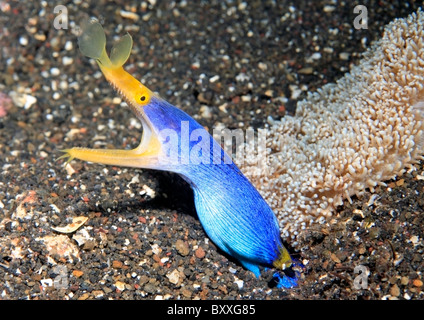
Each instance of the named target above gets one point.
<point>46,282</point>
<point>23,41</point>
<point>120,285</point>
<point>262,66</point>
<point>67,61</point>
<point>239,283</point>
<point>316,56</point>
<point>116,100</point>
<point>295,91</point>
<point>63,85</point>
<point>54,207</point>
<point>246,98</point>
<point>22,100</point>
<point>232,270</point>
<point>329,8</point>
<point>75,119</point>
<point>241,77</point>
<point>195,65</point>
<point>173,276</point>
<point>205,112</point>
<point>344,56</point>
<point>69,45</point>
<point>214,79</point>
<point>54,71</point>
<point>242,6</point>
<point>415,240</point>
<point>129,15</point>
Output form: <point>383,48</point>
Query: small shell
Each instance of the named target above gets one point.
<point>76,223</point>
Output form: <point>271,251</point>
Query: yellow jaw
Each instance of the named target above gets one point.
<point>144,156</point>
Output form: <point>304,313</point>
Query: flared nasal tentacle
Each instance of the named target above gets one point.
<point>121,51</point>
<point>92,43</point>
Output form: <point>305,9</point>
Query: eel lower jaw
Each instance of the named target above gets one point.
<point>145,155</point>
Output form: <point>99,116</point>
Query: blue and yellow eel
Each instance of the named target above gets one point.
<point>232,212</point>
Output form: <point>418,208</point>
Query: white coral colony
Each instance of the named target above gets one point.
<point>355,134</point>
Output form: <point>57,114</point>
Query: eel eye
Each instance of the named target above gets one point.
<point>143,98</point>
